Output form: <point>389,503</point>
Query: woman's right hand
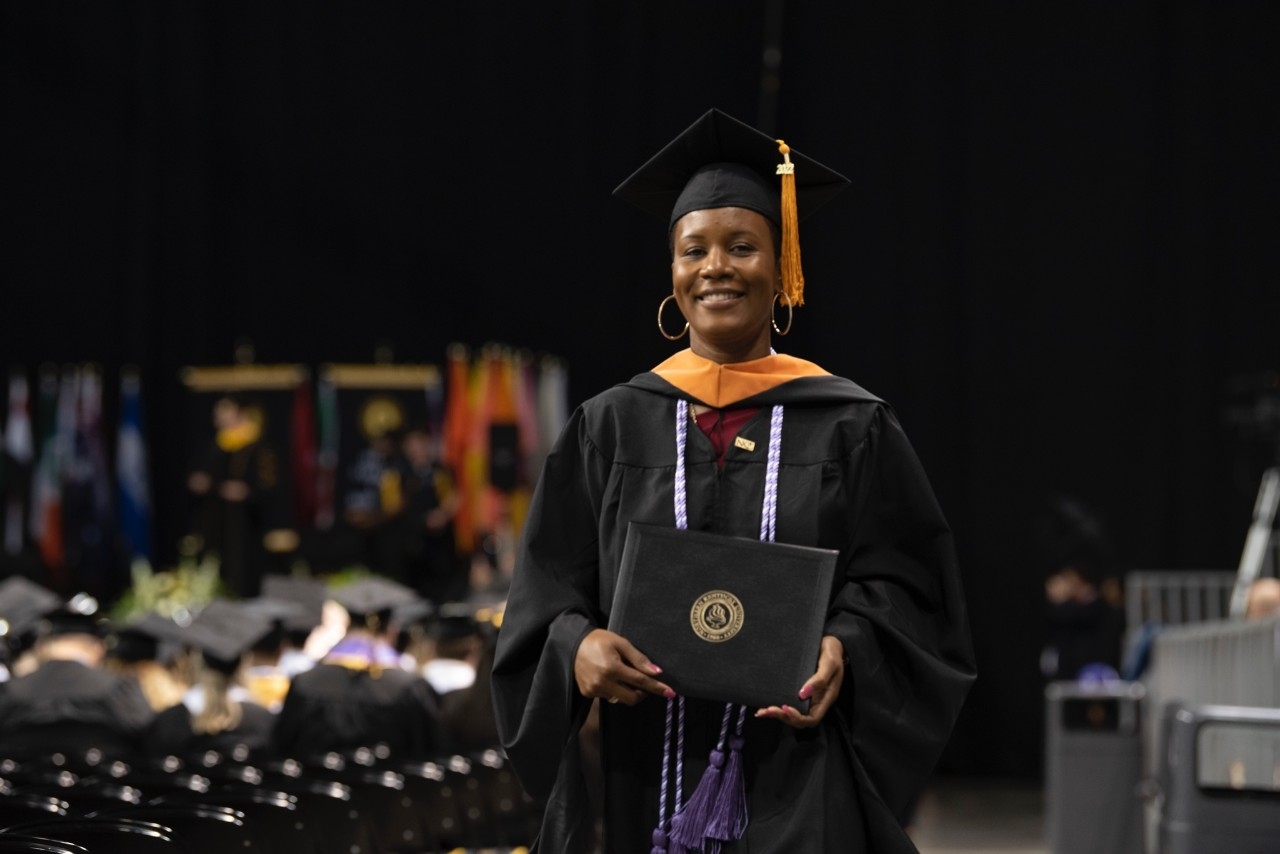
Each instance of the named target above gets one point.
<point>609,667</point>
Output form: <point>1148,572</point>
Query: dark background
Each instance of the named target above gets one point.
<point>1058,250</point>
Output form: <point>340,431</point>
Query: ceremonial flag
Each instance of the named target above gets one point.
<point>454,440</point>
<point>553,402</point>
<point>133,491</point>
<point>527,417</point>
<point>453,444</point>
<point>504,434</point>
<point>54,417</point>
<point>327,458</point>
<point>18,452</point>
<point>87,499</point>
<point>303,452</point>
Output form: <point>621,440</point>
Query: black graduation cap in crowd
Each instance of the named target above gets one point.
<point>23,604</point>
<point>373,596</point>
<point>417,612</point>
<point>152,637</point>
<point>79,615</point>
<point>298,603</point>
<point>224,630</point>
<point>718,162</point>
<point>455,620</point>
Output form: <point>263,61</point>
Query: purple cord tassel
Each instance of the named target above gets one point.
<point>664,844</point>
<point>728,819</point>
<point>688,827</point>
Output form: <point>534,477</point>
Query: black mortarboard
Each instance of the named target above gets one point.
<point>307,594</point>
<point>224,630</point>
<point>79,615</point>
<point>151,637</point>
<point>283,614</point>
<point>23,603</point>
<point>417,612</point>
<point>720,162</point>
<point>373,595</point>
<point>455,620</point>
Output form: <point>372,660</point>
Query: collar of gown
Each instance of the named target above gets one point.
<point>724,385</point>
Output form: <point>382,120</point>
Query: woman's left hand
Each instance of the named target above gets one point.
<point>821,690</point>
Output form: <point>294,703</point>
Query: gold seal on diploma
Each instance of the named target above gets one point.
<point>716,616</point>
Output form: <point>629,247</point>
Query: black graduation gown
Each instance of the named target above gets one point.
<point>171,733</point>
<point>234,530</point>
<point>849,481</point>
<point>68,707</point>
<point>332,707</point>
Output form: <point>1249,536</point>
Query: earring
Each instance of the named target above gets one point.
<point>790,314</point>
<point>661,306</point>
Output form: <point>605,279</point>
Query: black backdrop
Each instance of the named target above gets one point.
<point>1058,247</point>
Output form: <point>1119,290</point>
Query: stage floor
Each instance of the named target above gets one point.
<point>980,817</point>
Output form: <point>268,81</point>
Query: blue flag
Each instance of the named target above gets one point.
<point>133,493</point>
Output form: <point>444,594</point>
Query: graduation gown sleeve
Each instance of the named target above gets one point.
<point>539,709</point>
<point>901,617</point>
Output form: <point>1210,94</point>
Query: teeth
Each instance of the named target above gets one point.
<point>717,297</point>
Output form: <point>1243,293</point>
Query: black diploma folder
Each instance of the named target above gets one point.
<point>726,618</point>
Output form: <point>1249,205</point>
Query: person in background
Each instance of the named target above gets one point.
<point>148,650</point>
<point>455,649</point>
<point>304,631</point>
<point>1085,609</point>
<point>239,497</point>
<point>431,564</point>
<point>217,713</point>
<point>23,604</point>
<point>69,704</point>
<point>358,696</point>
<point>466,712</point>
<point>1263,601</point>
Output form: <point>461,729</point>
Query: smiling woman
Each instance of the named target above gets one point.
<point>730,438</point>
<point>725,276</point>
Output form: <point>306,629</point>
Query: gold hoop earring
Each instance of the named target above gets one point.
<point>661,306</point>
<point>790,315</point>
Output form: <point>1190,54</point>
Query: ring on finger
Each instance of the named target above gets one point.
<point>612,699</point>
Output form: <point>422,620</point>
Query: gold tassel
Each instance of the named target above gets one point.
<point>792,275</point>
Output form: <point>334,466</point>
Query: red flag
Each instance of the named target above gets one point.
<point>457,425</point>
<point>304,454</point>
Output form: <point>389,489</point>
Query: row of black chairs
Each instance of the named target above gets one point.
<point>361,802</point>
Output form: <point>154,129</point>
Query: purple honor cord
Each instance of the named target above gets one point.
<point>716,812</point>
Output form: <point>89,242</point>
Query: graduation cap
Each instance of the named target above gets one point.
<point>720,162</point>
<point>23,604</point>
<point>152,637</point>
<point>79,615</point>
<point>224,630</point>
<point>297,602</point>
<point>418,612</point>
<point>373,596</point>
<point>454,621</point>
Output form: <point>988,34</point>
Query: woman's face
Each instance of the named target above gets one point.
<point>724,273</point>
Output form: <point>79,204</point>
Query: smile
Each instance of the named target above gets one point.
<point>719,296</point>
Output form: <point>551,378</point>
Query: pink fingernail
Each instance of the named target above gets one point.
<point>669,694</point>
<point>805,692</point>
<point>655,668</point>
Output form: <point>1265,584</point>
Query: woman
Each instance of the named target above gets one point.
<point>216,714</point>
<point>895,660</point>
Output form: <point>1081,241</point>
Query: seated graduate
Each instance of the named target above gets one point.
<point>303,623</point>
<point>69,704</point>
<point>358,696</point>
<point>150,650</point>
<point>216,714</point>
<point>23,604</point>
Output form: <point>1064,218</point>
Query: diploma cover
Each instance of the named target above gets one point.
<point>730,619</point>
